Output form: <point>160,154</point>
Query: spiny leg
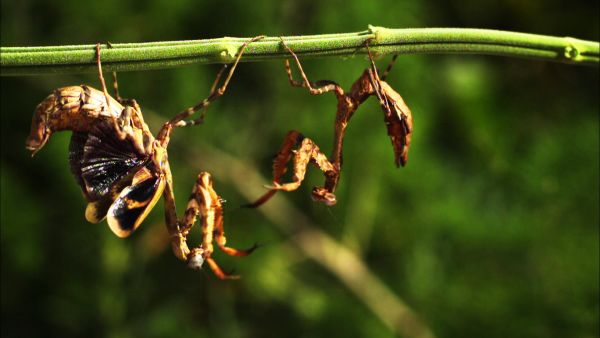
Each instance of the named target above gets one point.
<point>178,120</point>
<point>205,202</point>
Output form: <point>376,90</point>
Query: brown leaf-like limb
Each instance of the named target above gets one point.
<point>304,151</point>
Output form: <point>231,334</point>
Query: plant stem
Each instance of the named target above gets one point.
<point>153,55</point>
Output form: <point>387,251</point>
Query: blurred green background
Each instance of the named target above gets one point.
<point>491,229</point>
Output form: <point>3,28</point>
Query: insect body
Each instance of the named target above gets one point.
<point>80,108</point>
<point>397,117</point>
<point>123,169</point>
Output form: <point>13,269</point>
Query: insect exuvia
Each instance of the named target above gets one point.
<point>397,117</point>
<point>123,169</point>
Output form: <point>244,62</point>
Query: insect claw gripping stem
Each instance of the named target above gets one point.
<point>306,84</point>
<point>120,123</point>
<point>102,82</point>
<point>115,83</point>
<point>397,117</point>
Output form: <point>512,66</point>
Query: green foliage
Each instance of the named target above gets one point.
<point>491,229</point>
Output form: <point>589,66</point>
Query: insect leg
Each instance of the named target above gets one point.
<point>177,234</point>
<point>115,83</point>
<point>120,124</point>
<point>178,120</point>
<point>306,153</point>
<point>376,81</point>
<point>280,160</point>
<point>389,67</point>
<point>374,68</point>
<point>116,88</point>
<point>327,87</point>
<point>205,202</point>
<point>102,82</point>
<point>213,89</point>
<point>121,100</point>
<point>374,71</point>
<point>221,240</point>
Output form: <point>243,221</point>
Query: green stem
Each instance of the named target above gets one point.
<point>153,55</point>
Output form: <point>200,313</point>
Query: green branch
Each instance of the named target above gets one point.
<point>153,55</point>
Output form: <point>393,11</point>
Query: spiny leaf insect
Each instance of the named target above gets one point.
<point>397,117</point>
<point>123,169</point>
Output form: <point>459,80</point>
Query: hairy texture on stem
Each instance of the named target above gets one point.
<point>16,61</point>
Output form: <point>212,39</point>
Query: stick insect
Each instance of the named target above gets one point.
<point>123,169</point>
<point>397,117</point>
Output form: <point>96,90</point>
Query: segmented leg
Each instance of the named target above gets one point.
<point>280,160</point>
<point>215,93</point>
<point>116,84</point>
<point>389,67</point>
<point>116,88</point>
<point>121,100</point>
<point>307,152</point>
<point>321,86</point>
<point>213,88</point>
<point>102,82</point>
<point>374,68</point>
<point>205,202</point>
<point>121,127</point>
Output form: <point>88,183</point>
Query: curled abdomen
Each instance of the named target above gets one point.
<point>69,108</point>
